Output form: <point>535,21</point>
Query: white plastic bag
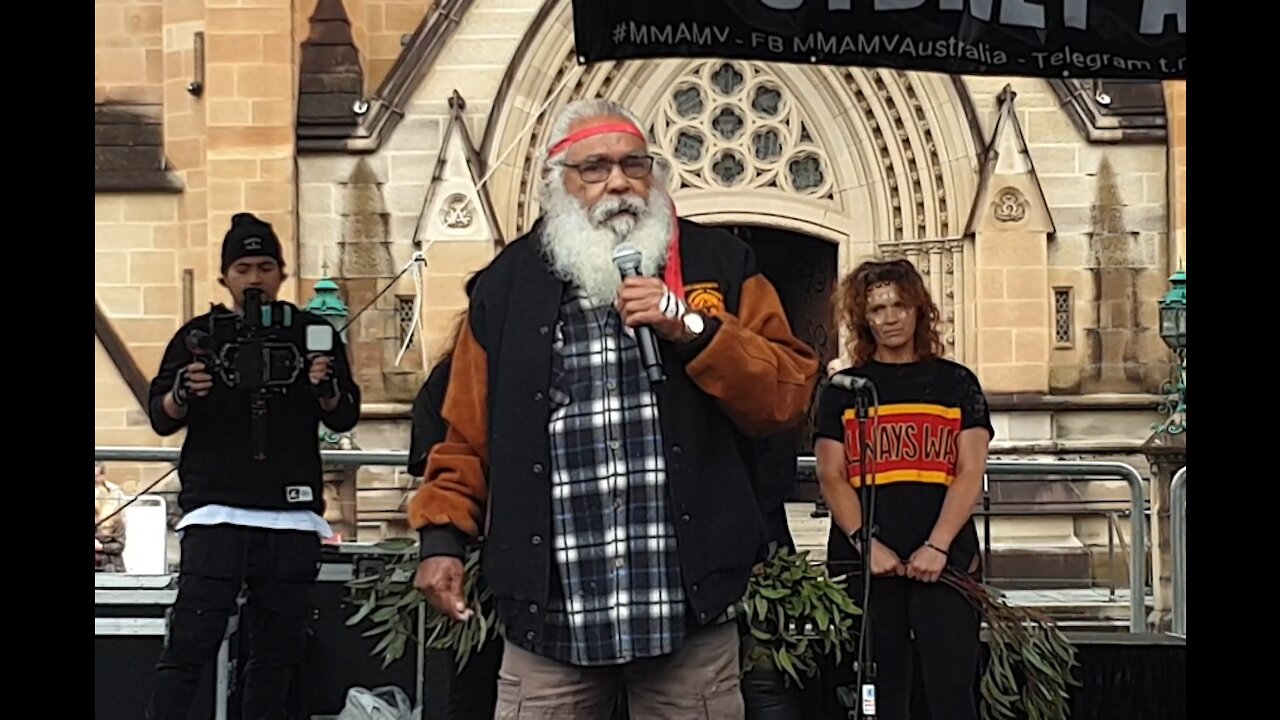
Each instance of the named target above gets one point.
<point>383,703</point>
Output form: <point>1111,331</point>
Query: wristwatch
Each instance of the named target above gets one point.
<point>694,325</point>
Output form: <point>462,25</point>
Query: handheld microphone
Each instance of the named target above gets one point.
<point>627,259</point>
<point>852,383</point>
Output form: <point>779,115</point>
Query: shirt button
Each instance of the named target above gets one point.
<point>685,518</point>
<point>530,635</point>
<point>614,444</point>
<point>537,468</point>
<point>537,397</point>
<point>544,330</point>
<point>695,587</point>
<point>536,540</point>
<point>675,449</point>
<point>619,563</point>
<point>613,386</point>
<point>533,608</point>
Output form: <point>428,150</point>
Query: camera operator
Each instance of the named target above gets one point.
<point>251,385</point>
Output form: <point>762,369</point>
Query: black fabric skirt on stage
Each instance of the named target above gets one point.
<point>1123,677</point>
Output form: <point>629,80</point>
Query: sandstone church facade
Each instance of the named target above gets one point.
<point>1046,215</point>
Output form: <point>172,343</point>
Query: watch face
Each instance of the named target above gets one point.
<point>694,323</point>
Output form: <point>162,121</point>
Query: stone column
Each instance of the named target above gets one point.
<point>185,42</point>
<point>249,116</point>
<point>1175,100</point>
<point>1167,453</point>
<point>1011,225</point>
<point>340,488</point>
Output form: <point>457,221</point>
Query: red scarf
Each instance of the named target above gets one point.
<point>673,274</point>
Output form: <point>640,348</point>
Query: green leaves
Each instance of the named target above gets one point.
<point>1032,663</point>
<point>796,613</point>
<point>387,600</point>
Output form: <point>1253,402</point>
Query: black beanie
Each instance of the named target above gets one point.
<point>249,237</point>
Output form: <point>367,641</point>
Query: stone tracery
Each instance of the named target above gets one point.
<point>735,125</point>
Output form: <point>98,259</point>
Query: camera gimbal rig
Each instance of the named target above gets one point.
<point>257,351</point>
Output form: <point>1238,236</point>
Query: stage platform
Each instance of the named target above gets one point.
<point>1126,676</point>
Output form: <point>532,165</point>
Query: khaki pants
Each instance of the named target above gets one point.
<point>698,682</point>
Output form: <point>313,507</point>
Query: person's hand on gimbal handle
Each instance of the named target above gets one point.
<point>199,381</point>
<point>193,380</point>
<point>440,578</point>
<point>320,372</point>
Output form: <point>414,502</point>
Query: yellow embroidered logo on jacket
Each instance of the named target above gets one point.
<point>704,297</point>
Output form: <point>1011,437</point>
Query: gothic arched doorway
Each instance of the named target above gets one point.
<point>803,270</point>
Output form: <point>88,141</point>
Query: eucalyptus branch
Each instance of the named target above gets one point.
<point>1032,662</point>
<point>797,614</point>
<point>388,601</point>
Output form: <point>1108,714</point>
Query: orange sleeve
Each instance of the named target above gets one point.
<point>454,488</point>
<point>762,374</point>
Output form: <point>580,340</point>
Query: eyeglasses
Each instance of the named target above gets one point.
<point>636,167</point>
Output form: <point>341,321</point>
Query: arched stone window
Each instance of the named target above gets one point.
<point>727,125</point>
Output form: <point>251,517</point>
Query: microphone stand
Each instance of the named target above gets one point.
<point>865,666</point>
<point>986,525</point>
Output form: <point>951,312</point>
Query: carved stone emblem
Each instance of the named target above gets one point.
<point>1009,206</point>
<point>457,212</point>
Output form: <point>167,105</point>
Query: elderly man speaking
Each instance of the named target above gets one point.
<point>615,504</point>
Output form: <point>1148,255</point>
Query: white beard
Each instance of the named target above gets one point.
<point>579,244</point>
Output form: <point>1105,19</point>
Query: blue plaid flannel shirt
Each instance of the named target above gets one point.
<point>621,595</point>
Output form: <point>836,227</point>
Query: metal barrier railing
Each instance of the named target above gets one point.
<point>329,457</point>
<point>1035,471</point>
<point>1041,470</point>
<point>1178,533</point>
<point>1003,470</point>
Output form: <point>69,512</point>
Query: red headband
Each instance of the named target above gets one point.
<point>592,131</point>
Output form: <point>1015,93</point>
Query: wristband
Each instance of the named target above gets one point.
<point>672,307</point>
<point>327,389</point>
<point>855,538</point>
<point>935,547</point>
<point>181,393</point>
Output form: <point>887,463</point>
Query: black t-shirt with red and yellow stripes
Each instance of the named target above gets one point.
<point>923,408</point>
